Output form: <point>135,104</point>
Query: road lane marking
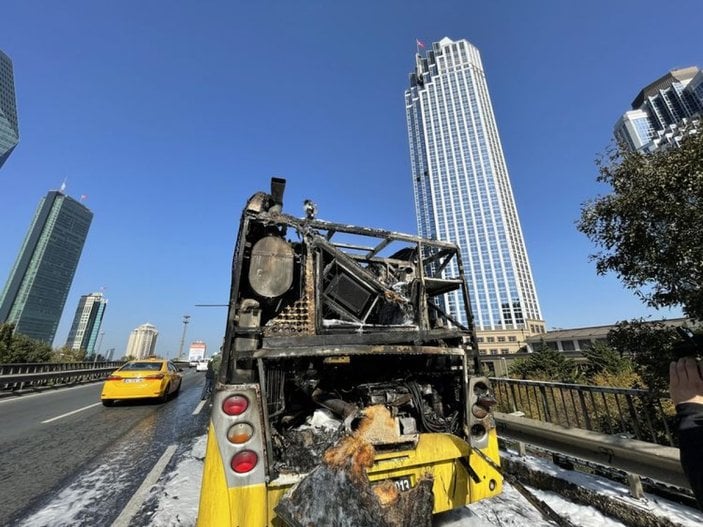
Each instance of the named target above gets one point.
<point>134,504</point>
<point>10,398</point>
<point>199,407</point>
<point>71,413</point>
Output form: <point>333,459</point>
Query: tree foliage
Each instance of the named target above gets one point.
<point>545,364</point>
<point>67,354</point>
<point>649,344</point>
<point>20,348</point>
<point>603,359</point>
<point>649,229</point>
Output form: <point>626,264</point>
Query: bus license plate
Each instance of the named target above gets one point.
<point>402,484</point>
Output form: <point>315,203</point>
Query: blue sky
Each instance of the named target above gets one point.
<point>169,114</point>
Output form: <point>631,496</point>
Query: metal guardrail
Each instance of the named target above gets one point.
<point>621,428</point>
<point>15,377</point>
<point>19,376</point>
<point>636,414</point>
<point>648,460</point>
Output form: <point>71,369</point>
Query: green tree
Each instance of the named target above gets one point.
<point>545,364</point>
<point>649,344</point>
<point>66,354</point>
<point>6,331</point>
<point>601,358</point>
<point>20,348</point>
<point>648,228</point>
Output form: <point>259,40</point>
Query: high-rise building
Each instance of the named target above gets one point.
<point>463,193</point>
<point>86,323</point>
<point>142,341</point>
<point>9,130</point>
<point>35,293</point>
<point>664,112</point>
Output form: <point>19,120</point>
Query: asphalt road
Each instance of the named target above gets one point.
<point>65,443</point>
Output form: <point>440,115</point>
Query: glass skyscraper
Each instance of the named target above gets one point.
<point>463,194</point>
<point>9,130</point>
<point>664,112</point>
<point>34,295</point>
<point>86,323</point>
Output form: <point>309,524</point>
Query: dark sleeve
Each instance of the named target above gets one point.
<point>691,444</point>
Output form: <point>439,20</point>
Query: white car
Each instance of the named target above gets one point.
<point>202,365</point>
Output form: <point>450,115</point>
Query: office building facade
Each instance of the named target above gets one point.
<point>664,112</point>
<point>463,193</point>
<point>9,128</point>
<point>35,293</point>
<point>142,341</point>
<point>86,323</point>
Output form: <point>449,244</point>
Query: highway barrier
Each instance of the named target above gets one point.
<point>648,460</point>
<point>14,377</point>
<point>638,414</point>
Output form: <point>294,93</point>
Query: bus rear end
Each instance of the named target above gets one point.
<point>329,325</point>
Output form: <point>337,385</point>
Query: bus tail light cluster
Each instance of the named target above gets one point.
<point>239,433</point>
<point>480,402</point>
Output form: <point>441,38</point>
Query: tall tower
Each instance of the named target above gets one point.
<point>9,130</point>
<point>664,112</point>
<point>142,341</point>
<point>463,193</point>
<point>86,323</point>
<point>35,294</point>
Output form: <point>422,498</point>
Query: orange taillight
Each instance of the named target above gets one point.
<point>114,378</point>
<point>240,433</point>
<point>155,376</point>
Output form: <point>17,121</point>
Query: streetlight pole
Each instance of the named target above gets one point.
<point>100,343</point>
<point>186,319</point>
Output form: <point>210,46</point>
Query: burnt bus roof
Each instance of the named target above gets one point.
<point>305,282</point>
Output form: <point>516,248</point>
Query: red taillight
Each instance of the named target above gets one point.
<point>114,378</point>
<point>155,376</point>
<point>235,405</point>
<point>244,461</point>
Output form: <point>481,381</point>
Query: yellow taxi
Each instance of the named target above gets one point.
<point>141,379</point>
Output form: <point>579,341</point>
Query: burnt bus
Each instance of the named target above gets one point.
<point>332,317</point>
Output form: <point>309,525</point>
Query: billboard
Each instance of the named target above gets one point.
<point>197,351</point>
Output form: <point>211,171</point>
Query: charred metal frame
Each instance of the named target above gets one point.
<point>429,259</point>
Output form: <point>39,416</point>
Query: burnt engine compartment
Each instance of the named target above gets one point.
<point>422,392</point>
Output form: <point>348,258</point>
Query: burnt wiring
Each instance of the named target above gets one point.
<point>430,419</point>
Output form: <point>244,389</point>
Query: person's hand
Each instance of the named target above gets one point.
<point>685,381</point>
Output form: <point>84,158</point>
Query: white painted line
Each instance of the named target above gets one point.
<point>71,413</point>
<point>199,407</point>
<point>132,508</point>
<point>11,398</point>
